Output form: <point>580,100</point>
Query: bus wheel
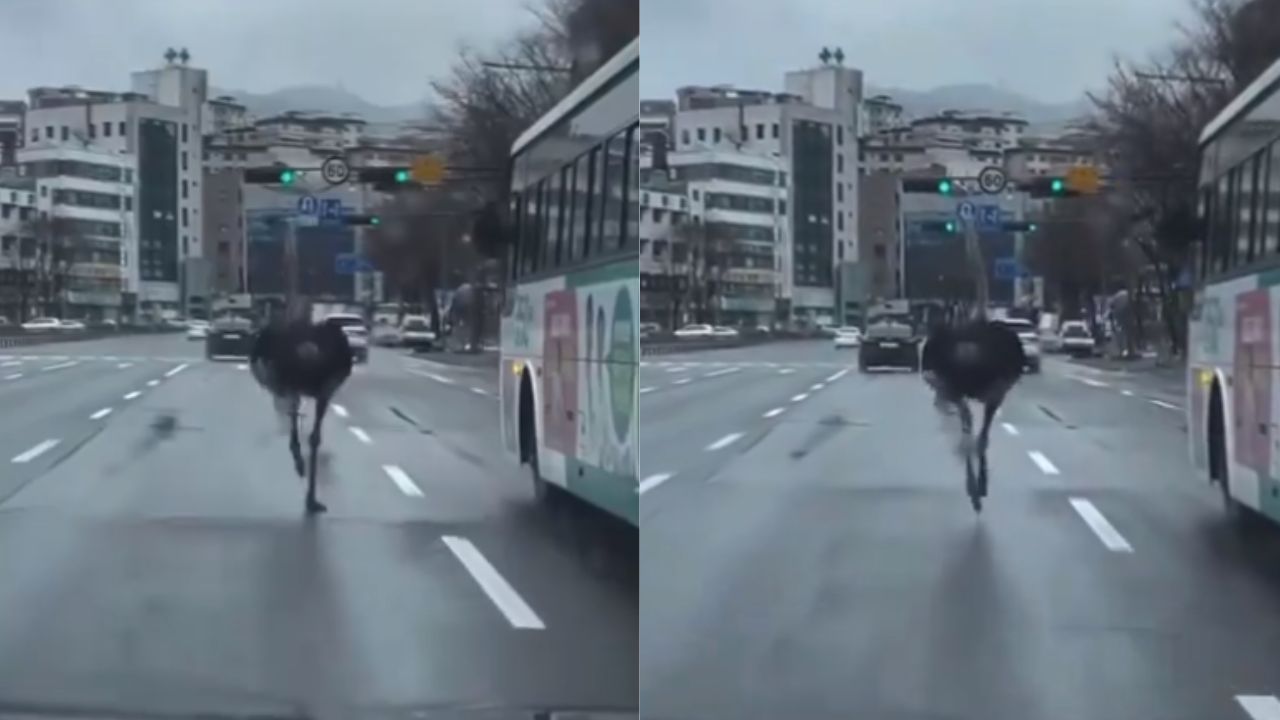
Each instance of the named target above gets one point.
<point>529,442</point>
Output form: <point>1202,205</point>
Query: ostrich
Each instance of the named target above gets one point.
<point>979,359</point>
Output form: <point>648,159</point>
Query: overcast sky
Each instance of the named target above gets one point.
<point>385,51</point>
<point>1048,50</point>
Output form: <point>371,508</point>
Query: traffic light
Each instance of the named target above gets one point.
<point>939,226</point>
<point>388,177</point>
<point>939,186</point>
<point>270,176</point>
<point>363,219</point>
<point>1049,187</point>
<point>1020,227</point>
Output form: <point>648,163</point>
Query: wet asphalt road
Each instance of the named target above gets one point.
<point>154,556</point>
<point>808,552</point>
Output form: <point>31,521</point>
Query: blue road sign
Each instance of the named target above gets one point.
<point>1006,268</point>
<point>307,205</point>
<point>965,211</point>
<point>989,217</point>
<point>350,264</point>
<point>331,209</point>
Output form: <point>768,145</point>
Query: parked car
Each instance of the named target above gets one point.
<point>197,329</point>
<point>1076,339</point>
<point>416,333</point>
<point>848,337</point>
<point>71,326</point>
<point>719,331</point>
<point>42,324</point>
<point>1026,331</point>
<point>696,331</point>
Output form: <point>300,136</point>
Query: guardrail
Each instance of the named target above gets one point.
<point>17,337</point>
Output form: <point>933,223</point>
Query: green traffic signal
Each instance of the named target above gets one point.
<point>287,177</point>
<point>374,220</point>
<point>951,226</point>
<point>1057,186</point>
<point>1031,227</point>
<point>402,176</point>
<point>944,187</point>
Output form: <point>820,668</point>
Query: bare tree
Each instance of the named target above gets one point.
<point>421,245</point>
<point>58,247</point>
<point>1150,118</point>
<point>1078,249</point>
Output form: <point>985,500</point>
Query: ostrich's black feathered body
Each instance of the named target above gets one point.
<point>300,359</point>
<point>975,359</point>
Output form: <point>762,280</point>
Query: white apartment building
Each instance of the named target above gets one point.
<point>811,133</point>
<point>739,202</point>
<point>88,197</point>
<point>158,126</point>
<point>17,210</point>
<point>664,253</point>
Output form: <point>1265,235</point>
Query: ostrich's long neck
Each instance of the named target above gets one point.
<point>973,254</point>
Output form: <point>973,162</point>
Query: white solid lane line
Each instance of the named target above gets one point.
<point>838,375</point>
<point>725,441</point>
<point>1260,707</point>
<point>652,482</point>
<point>100,414</point>
<point>1163,404</point>
<point>1009,428</point>
<point>504,597</point>
<point>36,451</point>
<point>1100,526</point>
<point>645,390</point>
<point>340,410</point>
<point>132,395</point>
<point>60,366</point>
<point>361,434</point>
<point>774,412</point>
<point>402,480</point>
<point>176,370</point>
<point>1042,462</point>
<point>798,398</point>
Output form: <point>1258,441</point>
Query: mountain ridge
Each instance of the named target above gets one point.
<point>917,103</point>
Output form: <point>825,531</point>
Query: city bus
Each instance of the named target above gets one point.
<point>570,328</point>
<point>1232,401</point>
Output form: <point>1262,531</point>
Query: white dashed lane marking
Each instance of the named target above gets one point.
<point>361,435</point>
<point>1042,462</point>
<point>1260,707</point>
<point>176,370</point>
<point>726,371</point>
<point>14,376</point>
<point>837,376</point>
<point>652,482</point>
<point>340,410</point>
<point>60,366</point>
<point>815,387</point>
<point>402,480</point>
<point>504,597</point>
<point>798,398</point>
<point>786,371</point>
<point>152,383</point>
<point>724,442</point>
<point>1165,405</point>
<point>1009,428</point>
<point>132,395</point>
<point>774,412</point>
<point>1100,526</point>
<point>100,414</point>
<point>682,382</point>
<point>36,451</point>
<point>646,390</point>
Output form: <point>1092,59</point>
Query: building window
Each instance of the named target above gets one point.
<point>759,131</point>
<point>128,203</point>
<point>44,191</point>
<point>776,130</point>
<point>839,134</point>
<point>123,129</point>
<point>702,135</point>
<point>184,217</point>
<point>106,129</point>
<point>184,132</point>
<point>48,132</point>
<point>66,133</point>
<point>184,186</point>
<point>684,137</point>
<point>839,162</point>
<point>184,160</point>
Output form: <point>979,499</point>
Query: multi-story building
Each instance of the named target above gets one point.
<point>811,132</point>
<point>158,124</point>
<point>12,115</point>
<point>17,247</point>
<point>738,207</point>
<point>86,227</point>
<point>664,252</point>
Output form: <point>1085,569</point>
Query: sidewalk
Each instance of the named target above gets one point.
<point>487,359</point>
<point>1169,375</point>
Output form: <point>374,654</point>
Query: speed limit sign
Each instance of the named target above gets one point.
<point>991,180</point>
<point>335,170</point>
